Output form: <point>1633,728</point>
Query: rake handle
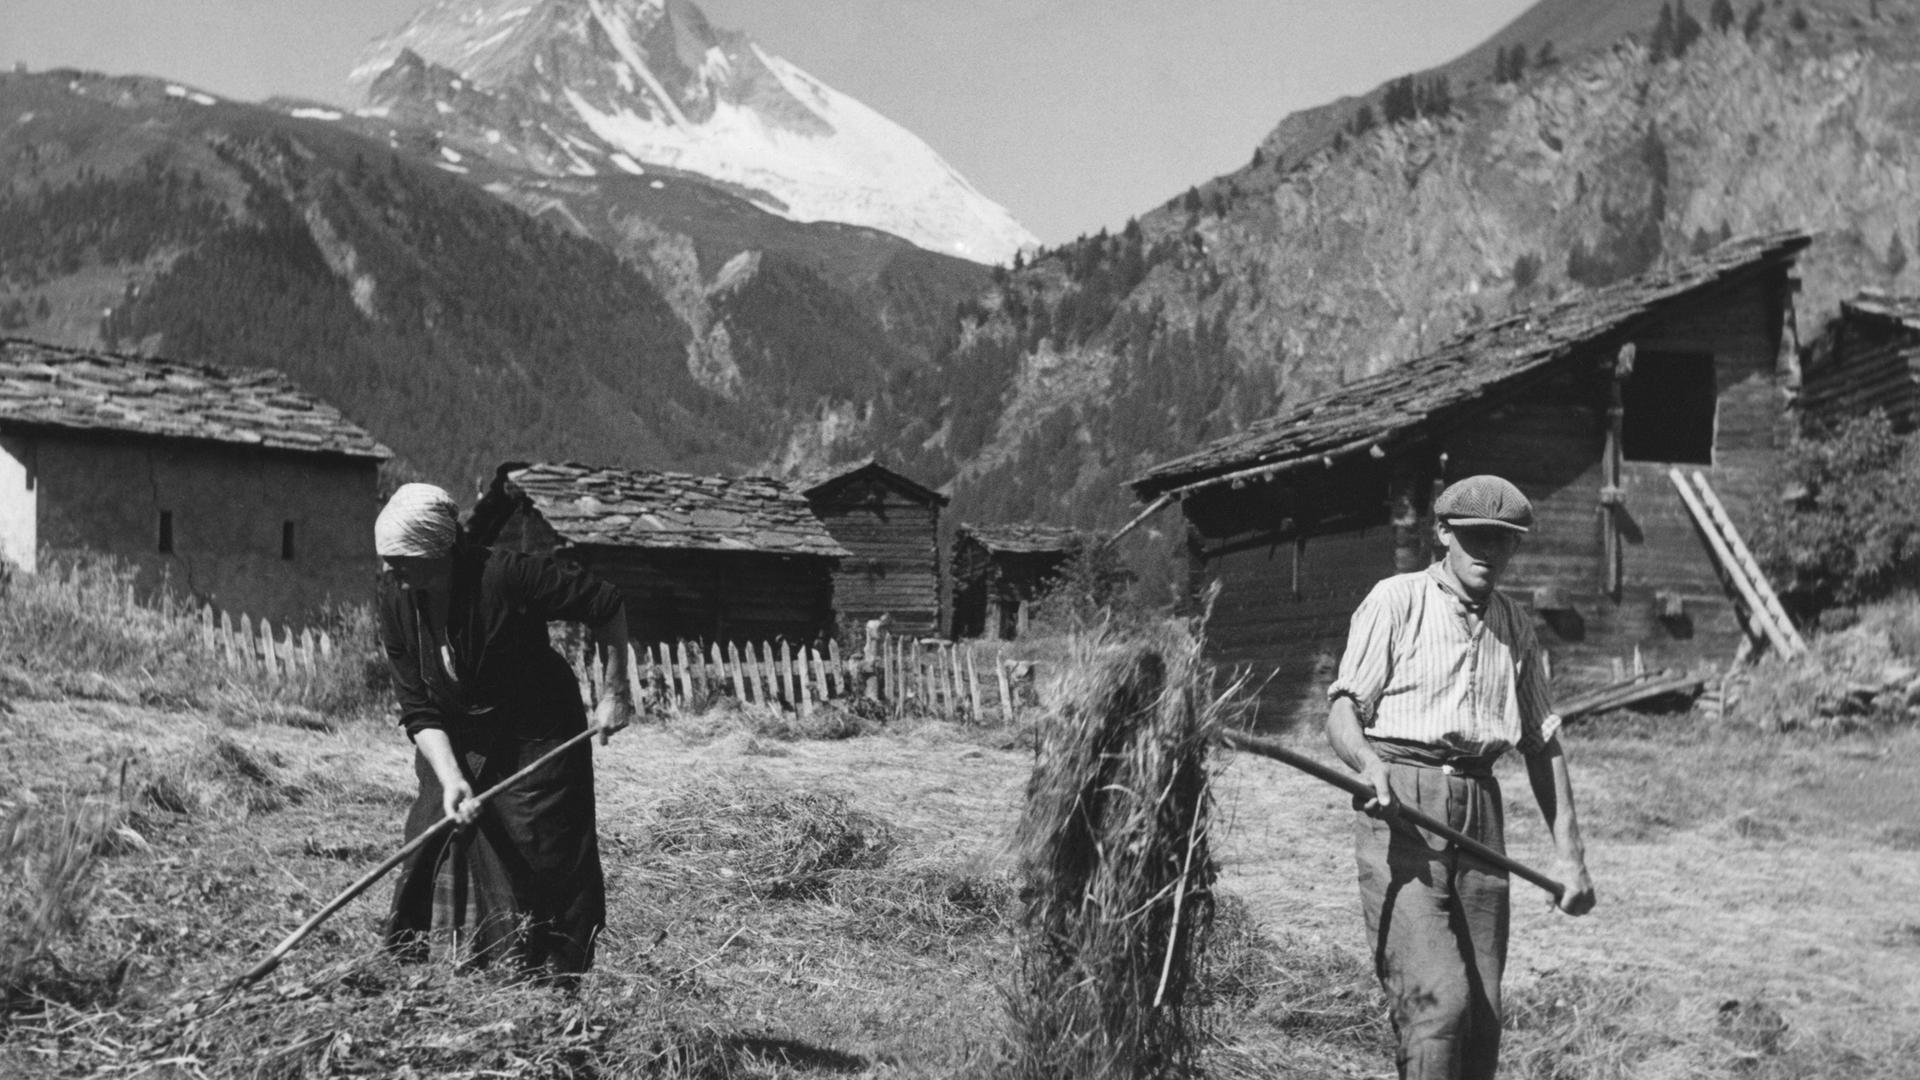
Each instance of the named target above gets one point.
<point>1253,744</point>
<point>366,880</point>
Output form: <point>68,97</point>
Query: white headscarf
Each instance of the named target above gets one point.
<point>419,522</point>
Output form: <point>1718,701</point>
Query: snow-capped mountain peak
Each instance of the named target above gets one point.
<point>592,86</point>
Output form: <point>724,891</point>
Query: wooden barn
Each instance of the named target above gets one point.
<point>700,558</point>
<point>232,487</point>
<point>890,525</point>
<point>1585,403</point>
<point>998,570</point>
<point>1868,358</point>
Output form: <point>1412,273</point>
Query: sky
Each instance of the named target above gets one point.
<point>1073,114</point>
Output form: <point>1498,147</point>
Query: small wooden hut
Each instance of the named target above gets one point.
<point>1585,403</point>
<point>890,525</point>
<point>998,570</point>
<point>700,558</point>
<point>1868,358</point>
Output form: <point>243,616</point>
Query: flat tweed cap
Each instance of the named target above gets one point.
<point>1484,500</point>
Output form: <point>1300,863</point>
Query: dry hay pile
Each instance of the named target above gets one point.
<point>1118,872</point>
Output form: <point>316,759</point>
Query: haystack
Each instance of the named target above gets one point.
<point>1118,874</point>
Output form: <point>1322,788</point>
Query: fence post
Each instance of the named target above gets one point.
<point>973,687</point>
<point>658,675</point>
<point>797,670</point>
<point>871,650</point>
<point>697,667</point>
<point>249,635</point>
<point>636,687</point>
<point>920,680</point>
<point>1006,691</point>
<point>958,700</point>
<point>820,674</point>
<point>684,669</point>
<point>762,673</point>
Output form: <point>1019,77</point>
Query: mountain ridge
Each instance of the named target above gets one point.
<point>590,87</point>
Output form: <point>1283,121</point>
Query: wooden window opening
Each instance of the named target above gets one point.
<point>286,540</point>
<point>1668,409</point>
<point>166,532</point>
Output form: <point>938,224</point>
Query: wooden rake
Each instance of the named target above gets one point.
<point>1349,782</point>
<point>272,959</point>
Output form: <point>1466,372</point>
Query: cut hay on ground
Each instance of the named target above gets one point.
<point>1117,868</point>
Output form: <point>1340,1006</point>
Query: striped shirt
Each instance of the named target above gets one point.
<point>1423,666</point>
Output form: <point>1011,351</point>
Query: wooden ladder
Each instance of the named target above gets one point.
<point>1763,605</point>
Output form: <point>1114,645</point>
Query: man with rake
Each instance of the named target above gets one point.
<point>1441,676</point>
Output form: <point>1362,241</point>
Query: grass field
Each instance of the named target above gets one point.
<point>785,908</point>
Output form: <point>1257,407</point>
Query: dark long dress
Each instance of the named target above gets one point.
<point>523,883</point>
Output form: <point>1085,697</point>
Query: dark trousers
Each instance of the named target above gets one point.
<point>1438,921</point>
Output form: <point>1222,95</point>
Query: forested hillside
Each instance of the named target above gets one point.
<point>463,315</point>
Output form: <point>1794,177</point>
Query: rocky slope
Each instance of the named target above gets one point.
<point>1311,266</point>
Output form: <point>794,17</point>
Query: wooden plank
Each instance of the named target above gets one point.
<point>739,677</point>
<point>684,671</point>
<point>786,674</point>
<point>956,701</point>
<point>1006,689</point>
<point>820,674</point>
<point>924,673</point>
<point>636,686</point>
<point>758,674</point>
<point>973,685</point>
<point>663,656</point>
<point>834,669</point>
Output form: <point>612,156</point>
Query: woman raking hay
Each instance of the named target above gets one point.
<point>482,694</point>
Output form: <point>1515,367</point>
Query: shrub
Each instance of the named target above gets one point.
<point>1092,587</point>
<point>1848,527</point>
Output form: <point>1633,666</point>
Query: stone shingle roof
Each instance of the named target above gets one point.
<point>51,386</point>
<point>1445,386</point>
<point>609,507</point>
<point>1022,539</point>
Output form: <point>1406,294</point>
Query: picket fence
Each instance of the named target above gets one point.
<point>283,654</point>
<point>896,672</point>
<point>955,681</point>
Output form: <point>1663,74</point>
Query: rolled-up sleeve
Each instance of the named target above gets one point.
<point>552,589</point>
<point>1367,663</point>
<point>1538,722</point>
